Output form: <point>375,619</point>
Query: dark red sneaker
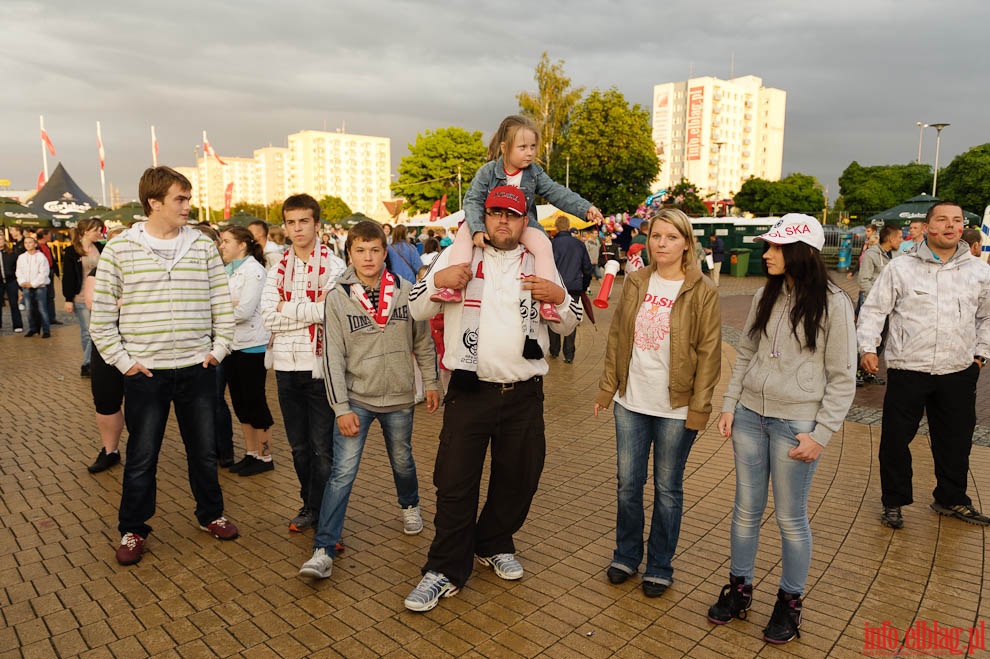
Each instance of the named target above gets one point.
<point>130,550</point>
<point>221,529</point>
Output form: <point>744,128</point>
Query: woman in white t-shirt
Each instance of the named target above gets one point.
<point>661,367</point>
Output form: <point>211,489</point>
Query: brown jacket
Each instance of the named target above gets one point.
<point>695,344</point>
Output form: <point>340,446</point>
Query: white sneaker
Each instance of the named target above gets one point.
<point>412,521</point>
<point>429,591</point>
<point>506,566</point>
<point>318,567</point>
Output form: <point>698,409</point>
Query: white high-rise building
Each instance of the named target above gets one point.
<point>355,168</point>
<point>718,133</point>
<point>352,167</point>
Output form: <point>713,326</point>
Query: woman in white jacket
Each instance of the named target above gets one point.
<point>245,368</point>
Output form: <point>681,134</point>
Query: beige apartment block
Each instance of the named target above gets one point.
<point>355,168</point>
<point>718,133</point>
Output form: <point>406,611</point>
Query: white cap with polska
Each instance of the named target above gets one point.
<point>796,228</point>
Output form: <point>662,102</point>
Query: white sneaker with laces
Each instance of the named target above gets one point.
<point>506,566</point>
<point>412,520</point>
<point>318,567</point>
<point>428,592</point>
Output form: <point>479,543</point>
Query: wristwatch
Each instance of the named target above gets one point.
<point>981,359</point>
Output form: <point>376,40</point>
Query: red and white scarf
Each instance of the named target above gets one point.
<point>386,298</point>
<point>316,277</point>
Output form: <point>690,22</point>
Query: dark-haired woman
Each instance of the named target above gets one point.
<point>792,384</point>
<point>77,263</point>
<point>244,368</point>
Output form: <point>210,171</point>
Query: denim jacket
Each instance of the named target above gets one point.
<point>535,182</point>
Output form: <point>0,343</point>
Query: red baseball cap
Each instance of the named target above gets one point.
<point>508,197</point>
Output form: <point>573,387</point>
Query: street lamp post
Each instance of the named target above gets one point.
<point>567,176</point>
<point>718,171</point>
<point>921,135</point>
<point>938,138</point>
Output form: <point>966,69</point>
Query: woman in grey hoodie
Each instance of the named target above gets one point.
<point>792,384</point>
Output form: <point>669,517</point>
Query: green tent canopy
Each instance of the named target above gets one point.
<point>915,208</point>
<point>13,213</point>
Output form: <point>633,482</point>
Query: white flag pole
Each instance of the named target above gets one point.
<point>103,176</point>
<point>154,148</point>
<point>207,149</point>
<point>44,150</point>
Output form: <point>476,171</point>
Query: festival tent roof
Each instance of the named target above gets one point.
<point>127,214</point>
<point>61,197</point>
<point>13,213</point>
<point>916,208</point>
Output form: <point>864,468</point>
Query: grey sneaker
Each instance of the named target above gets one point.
<point>429,591</point>
<point>891,516</point>
<point>318,567</point>
<point>304,520</point>
<point>963,512</point>
<point>412,521</point>
<point>506,566</point>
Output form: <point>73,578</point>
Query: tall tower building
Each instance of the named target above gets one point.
<point>718,133</point>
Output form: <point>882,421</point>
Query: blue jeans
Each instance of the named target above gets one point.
<point>397,428</point>
<point>309,428</point>
<point>82,315</point>
<point>36,307</point>
<point>635,433</point>
<point>760,445</point>
<point>192,391</point>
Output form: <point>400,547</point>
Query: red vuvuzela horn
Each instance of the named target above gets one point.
<point>611,269</point>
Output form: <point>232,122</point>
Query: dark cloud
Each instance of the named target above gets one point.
<point>858,74</point>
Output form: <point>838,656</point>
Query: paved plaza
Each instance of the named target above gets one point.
<point>63,594</point>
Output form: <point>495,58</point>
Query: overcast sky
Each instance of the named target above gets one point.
<point>858,75</point>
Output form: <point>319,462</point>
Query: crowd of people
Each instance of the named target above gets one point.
<point>361,329</point>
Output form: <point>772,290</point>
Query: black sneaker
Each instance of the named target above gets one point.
<point>785,621</point>
<point>733,602</point>
<point>654,588</point>
<point>891,516</point>
<point>84,371</point>
<point>965,513</point>
<point>240,464</point>
<point>104,461</point>
<point>257,466</point>
<point>616,575</point>
<point>304,520</point>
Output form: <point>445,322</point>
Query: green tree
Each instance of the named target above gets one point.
<point>868,190</point>
<point>551,107</point>
<point>967,179</point>
<point>684,196</point>
<point>797,193</point>
<point>253,209</point>
<point>431,169</point>
<point>333,209</point>
<point>612,156</point>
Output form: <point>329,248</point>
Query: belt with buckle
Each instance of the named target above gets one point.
<point>509,386</point>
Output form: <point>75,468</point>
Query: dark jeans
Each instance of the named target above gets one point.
<point>37,309</point>
<point>950,402</point>
<point>192,390</point>
<point>224,424</point>
<point>11,290</point>
<point>569,339</point>
<point>309,428</point>
<point>512,421</point>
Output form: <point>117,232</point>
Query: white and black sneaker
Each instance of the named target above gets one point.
<point>319,566</point>
<point>425,596</point>
<point>506,566</point>
<point>412,520</point>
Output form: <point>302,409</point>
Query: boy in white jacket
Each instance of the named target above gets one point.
<point>33,276</point>
<point>292,310</point>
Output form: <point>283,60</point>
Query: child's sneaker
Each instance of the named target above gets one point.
<point>446,295</point>
<point>549,313</point>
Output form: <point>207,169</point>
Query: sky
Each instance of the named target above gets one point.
<point>858,75</point>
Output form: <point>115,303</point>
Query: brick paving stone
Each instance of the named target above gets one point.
<point>62,592</point>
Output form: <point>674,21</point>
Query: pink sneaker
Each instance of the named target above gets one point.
<point>549,313</point>
<point>446,295</point>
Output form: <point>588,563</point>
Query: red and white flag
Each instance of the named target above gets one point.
<point>209,151</point>
<point>99,145</point>
<point>227,195</point>
<point>41,180</point>
<point>154,148</point>
<point>47,141</point>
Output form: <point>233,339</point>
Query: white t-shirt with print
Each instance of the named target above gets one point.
<point>647,387</point>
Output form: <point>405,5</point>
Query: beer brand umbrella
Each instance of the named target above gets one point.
<point>13,213</point>
<point>915,208</point>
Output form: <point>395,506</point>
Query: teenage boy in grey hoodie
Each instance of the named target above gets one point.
<point>368,365</point>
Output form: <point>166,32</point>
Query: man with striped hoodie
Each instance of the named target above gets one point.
<point>162,316</point>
